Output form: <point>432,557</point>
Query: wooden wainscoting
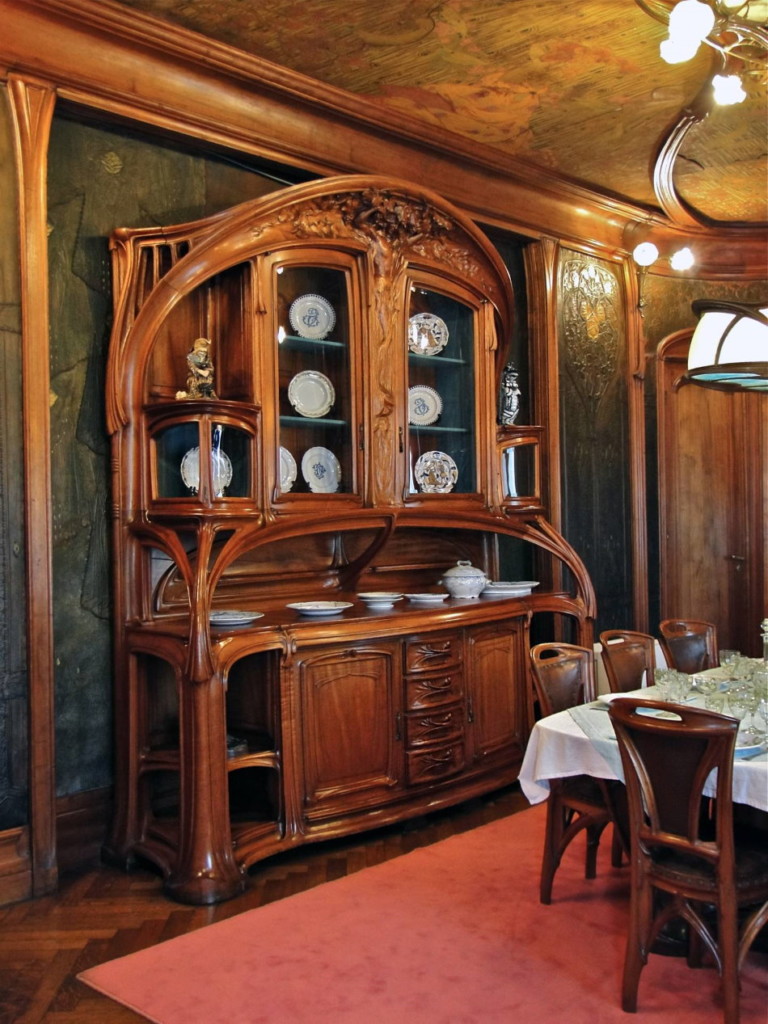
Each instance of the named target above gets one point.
<point>82,821</point>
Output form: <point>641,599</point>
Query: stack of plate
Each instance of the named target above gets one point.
<point>508,589</point>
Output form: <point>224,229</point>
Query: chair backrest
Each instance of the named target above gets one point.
<point>666,763</point>
<point>629,659</point>
<point>563,675</point>
<point>689,645</point>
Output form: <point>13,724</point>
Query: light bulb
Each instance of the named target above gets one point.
<point>645,254</point>
<point>683,259</point>
<point>677,51</point>
<point>691,19</point>
<point>728,90</point>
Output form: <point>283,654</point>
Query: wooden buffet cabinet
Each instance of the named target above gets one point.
<point>347,441</point>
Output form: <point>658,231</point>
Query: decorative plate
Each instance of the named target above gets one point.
<point>311,393</point>
<point>234,618</point>
<point>750,750</point>
<point>426,598</point>
<point>427,334</point>
<point>221,470</point>
<point>288,470</point>
<point>436,473</point>
<point>383,599</point>
<point>321,470</point>
<point>424,405</point>
<point>320,607</point>
<point>312,316</point>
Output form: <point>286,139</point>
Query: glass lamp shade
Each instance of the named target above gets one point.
<point>729,348</point>
<point>645,254</point>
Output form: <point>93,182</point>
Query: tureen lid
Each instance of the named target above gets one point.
<point>464,570</point>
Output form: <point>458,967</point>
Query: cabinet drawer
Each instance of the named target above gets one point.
<point>429,691</point>
<point>429,653</point>
<point>432,763</point>
<point>440,725</point>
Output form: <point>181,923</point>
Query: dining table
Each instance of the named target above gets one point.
<point>581,741</point>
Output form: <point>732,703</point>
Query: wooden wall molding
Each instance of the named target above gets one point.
<point>130,65</point>
<point>32,105</point>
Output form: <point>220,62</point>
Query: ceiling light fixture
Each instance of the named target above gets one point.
<point>729,348</point>
<point>735,28</point>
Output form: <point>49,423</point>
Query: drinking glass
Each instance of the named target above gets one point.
<point>662,683</point>
<point>727,657</point>
<point>739,704</point>
<point>705,684</point>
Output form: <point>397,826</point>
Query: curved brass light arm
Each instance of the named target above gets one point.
<point>731,36</point>
<point>664,166</point>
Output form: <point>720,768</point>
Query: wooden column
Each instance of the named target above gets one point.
<point>32,103</point>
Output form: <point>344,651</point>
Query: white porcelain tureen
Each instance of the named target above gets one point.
<point>464,580</point>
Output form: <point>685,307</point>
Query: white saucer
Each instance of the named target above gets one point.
<point>426,598</point>
<point>320,607</point>
<point>234,618</point>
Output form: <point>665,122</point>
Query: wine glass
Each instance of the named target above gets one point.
<point>739,706</point>
<point>727,657</point>
<point>705,684</point>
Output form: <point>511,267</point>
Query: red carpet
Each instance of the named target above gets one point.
<point>448,934</point>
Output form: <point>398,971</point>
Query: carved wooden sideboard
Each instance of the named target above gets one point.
<point>303,403</point>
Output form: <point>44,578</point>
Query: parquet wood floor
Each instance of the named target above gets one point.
<point>102,913</point>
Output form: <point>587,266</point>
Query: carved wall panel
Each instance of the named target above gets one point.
<point>594,430</point>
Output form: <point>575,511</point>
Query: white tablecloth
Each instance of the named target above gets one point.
<point>559,748</point>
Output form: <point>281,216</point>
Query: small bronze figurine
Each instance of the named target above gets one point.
<point>200,376</point>
<point>510,395</point>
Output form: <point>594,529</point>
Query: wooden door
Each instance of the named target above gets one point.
<point>349,704</point>
<point>496,690</point>
<point>712,450</point>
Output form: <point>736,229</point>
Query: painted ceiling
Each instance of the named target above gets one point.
<point>578,88</point>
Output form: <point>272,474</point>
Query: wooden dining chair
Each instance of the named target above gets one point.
<point>678,849</point>
<point>689,645</point>
<point>629,659</point>
<point>564,676</point>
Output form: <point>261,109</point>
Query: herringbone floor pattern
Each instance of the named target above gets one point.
<point>102,914</point>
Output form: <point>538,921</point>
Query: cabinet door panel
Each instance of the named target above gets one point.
<point>349,725</point>
<point>496,690</point>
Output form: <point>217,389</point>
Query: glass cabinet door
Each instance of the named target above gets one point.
<point>180,467</point>
<point>441,394</point>
<point>315,399</point>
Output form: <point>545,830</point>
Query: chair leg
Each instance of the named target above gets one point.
<point>552,839</point>
<point>640,916</point>
<point>593,843</point>
<point>617,849</point>
<point>728,943</point>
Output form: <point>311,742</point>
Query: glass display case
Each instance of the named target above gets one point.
<point>314,380</point>
<point>441,394</point>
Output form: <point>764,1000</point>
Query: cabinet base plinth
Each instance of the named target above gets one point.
<point>202,891</point>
